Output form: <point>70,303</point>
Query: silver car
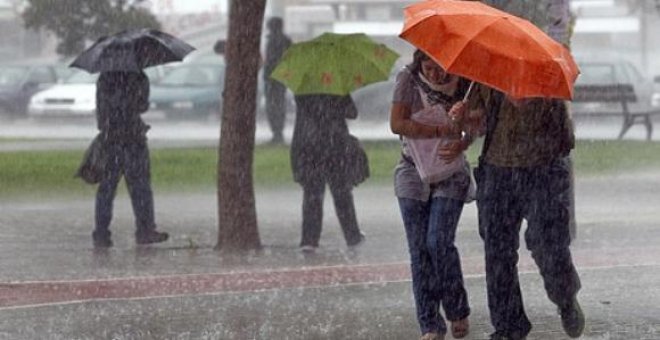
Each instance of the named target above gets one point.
<point>611,72</point>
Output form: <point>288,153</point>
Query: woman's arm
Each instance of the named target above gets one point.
<point>401,124</point>
<point>471,122</point>
<point>350,110</point>
<point>475,122</point>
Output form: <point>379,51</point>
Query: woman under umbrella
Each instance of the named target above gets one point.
<point>323,152</point>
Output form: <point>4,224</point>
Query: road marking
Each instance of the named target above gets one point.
<point>30,294</point>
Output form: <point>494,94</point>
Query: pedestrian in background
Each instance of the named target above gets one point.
<point>121,98</point>
<point>219,47</point>
<point>324,153</point>
<point>277,42</point>
<point>431,211</point>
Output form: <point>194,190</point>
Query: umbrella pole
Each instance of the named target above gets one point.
<point>467,93</point>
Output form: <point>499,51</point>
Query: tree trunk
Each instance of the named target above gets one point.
<point>237,218</point>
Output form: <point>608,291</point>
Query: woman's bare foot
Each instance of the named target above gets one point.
<point>460,328</point>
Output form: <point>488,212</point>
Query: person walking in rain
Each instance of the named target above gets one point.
<point>121,97</point>
<point>554,18</point>
<point>323,152</point>
<point>431,211</point>
<point>275,92</point>
<point>524,173</point>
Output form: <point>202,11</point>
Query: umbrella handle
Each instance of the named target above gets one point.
<point>467,93</point>
<point>465,97</point>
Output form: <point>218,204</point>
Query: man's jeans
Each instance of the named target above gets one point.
<point>275,106</point>
<point>437,277</point>
<point>131,160</point>
<point>540,195</point>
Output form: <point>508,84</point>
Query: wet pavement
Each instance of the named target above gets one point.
<point>76,133</point>
<point>54,285</point>
<point>54,282</point>
<point>356,311</point>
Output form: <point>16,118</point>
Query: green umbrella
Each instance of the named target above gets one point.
<point>334,64</point>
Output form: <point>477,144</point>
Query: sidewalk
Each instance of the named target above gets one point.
<point>76,134</point>
<point>55,286</point>
<point>359,311</point>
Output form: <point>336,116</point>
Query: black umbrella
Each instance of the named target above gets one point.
<point>132,50</point>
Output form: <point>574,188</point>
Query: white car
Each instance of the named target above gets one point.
<point>75,96</point>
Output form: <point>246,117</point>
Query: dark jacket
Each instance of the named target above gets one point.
<point>276,45</point>
<point>121,97</point>
<point>322,148</point>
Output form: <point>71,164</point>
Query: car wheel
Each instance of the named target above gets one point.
<point>7,111</point>
<point>172,114</point>
<point>4,111</point>
<point>204,111</point>
<point>214,112</point>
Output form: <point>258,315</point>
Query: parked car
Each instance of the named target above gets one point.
<point>194,90</point>
<point>74,96</point>
<point>189,90</point>
<point>19,82</point>
<point>374,101</point>
<point>595,71</point>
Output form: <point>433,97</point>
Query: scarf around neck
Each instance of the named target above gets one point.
<point>435,93</point>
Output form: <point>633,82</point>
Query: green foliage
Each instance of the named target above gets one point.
<point>50,173</point>
<point>75,22</point>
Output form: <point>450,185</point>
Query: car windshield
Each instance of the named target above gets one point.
<point>81,77</point>
<point>12,75</point>
<point>597,74</point>
<point>193,75</point>
<point>609,73</point>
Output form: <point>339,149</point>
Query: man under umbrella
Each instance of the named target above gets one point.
<point>122,95</point>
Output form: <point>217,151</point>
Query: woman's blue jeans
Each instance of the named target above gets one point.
<point>437,277</point>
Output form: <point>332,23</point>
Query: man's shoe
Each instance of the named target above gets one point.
<point>101,239</point>
<point>572,319</point>
<point>358,243</point>
<point>307,249</point>
<point>502,336</point>
<point>100,243</point>
<point>151,237</point>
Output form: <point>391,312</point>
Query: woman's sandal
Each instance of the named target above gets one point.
<point>460,328</point>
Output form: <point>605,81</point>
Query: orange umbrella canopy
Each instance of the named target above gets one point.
<point>489,46</point>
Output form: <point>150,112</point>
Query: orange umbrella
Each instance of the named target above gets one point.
<point>486,45</point>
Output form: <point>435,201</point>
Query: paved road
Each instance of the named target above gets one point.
<point>55,286</point>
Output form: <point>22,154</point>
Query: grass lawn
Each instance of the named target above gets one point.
<point>50,173</point>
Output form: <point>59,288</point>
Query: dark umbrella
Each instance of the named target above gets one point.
<point>132,50</point>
